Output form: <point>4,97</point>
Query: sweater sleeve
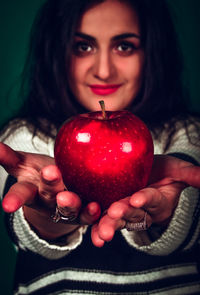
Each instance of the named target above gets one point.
<point>184,228</point>
<point>24,236</point>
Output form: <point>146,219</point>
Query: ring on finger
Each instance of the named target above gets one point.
<point>58,216</point>
<point>137,226</point>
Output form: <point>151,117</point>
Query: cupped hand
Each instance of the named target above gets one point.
<point>39,189</point>
<point>159,199</point>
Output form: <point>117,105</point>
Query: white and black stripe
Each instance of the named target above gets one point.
<point>114,283</point>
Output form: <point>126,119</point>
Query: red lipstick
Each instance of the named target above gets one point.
<point>104,89</point>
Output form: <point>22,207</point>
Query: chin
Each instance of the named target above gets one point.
<point>110,103</point>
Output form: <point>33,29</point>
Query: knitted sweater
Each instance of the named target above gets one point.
<point>149,262</point>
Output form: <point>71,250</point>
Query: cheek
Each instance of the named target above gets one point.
<point>134,73</point>
<point>79,69</point>
<point>140,66</point>
<point>134,69</point>
<point>74,72</point>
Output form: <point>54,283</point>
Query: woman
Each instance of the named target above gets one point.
<point>82,50</point>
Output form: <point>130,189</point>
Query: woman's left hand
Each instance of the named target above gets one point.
<point>157,201</point>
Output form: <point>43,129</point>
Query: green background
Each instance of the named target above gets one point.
<point>16,17</point>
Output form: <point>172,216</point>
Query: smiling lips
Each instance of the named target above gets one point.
<point>104,89</point>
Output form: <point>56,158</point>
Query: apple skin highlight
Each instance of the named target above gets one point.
<point>104,160</point>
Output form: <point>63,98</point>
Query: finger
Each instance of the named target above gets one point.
<point>169,168</point>
<point>118,209</point>
<point>50,184</point>
<point>9,158</point>
<point>148,198</point>
<point>190,175</point>
<point>107,227</point>
<point>96,240</point>
<point>154,202</point>
<point>69,204</point>
<point>123,209</point>
<point>182,171</point>
<point>20,194</point>
<point>90,213</point>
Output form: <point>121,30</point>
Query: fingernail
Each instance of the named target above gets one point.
<point>92,209</point>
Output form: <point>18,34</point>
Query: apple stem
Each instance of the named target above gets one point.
<point>102,104</point>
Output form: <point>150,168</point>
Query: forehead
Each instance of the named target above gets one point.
<point>111,15</point>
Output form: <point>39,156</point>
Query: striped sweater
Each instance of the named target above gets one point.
<point>150,262</point>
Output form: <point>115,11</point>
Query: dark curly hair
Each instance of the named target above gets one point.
<point>48,101</point>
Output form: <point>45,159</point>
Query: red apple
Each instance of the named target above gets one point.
<point>104,158</point>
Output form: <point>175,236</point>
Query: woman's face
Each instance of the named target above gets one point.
<point>107,61</point>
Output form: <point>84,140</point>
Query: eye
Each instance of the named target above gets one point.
<point>82,48</point>
<point>125,48</point>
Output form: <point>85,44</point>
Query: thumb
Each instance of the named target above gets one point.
<point>190,175</point>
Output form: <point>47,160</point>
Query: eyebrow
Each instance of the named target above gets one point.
<point>115,38</point>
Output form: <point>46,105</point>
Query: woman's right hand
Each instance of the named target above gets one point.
<point>39,189</point>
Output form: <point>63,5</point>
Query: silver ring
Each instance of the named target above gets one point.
<point>137,226</point>
<point>58,216</point>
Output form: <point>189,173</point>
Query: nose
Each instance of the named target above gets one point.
<point>103,66</point>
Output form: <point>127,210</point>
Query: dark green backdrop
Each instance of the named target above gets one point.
<point>16,17</point>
